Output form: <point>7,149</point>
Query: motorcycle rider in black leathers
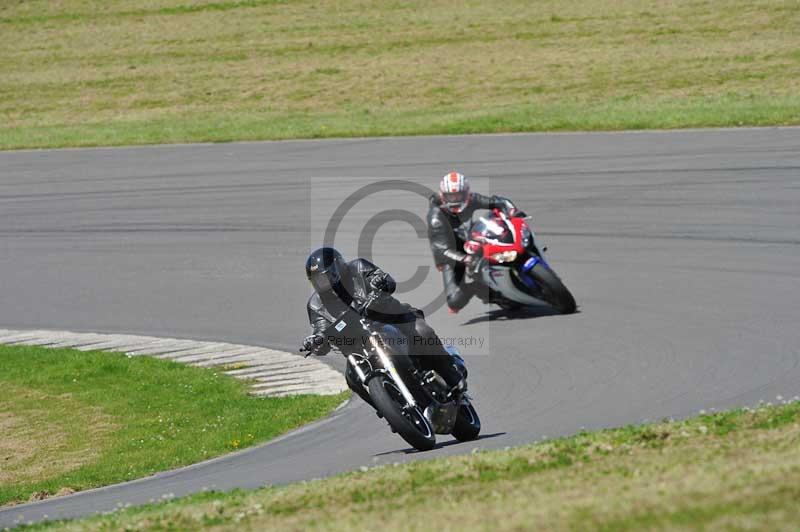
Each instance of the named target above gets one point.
<point>339,284</point>
<point>449,220</point>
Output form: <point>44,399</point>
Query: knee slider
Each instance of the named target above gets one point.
<point>456,301</point>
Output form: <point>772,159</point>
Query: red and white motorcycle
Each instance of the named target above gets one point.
<point>513,267</point>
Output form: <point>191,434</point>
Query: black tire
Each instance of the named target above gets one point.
<point>410,424</point>
<point>468,424</point>
<point>553,290</point>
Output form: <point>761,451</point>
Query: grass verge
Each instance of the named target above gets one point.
<point>737,470</point>
<point>73,420</point>
<point>127,72</point>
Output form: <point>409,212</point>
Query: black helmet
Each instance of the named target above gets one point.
<point>324,269</point>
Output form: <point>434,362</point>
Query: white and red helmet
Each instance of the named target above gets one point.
<point>454,192</point>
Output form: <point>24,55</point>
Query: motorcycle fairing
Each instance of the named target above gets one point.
<point>498,278</point>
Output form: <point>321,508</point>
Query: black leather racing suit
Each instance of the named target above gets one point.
<point>355,287</point>
<point>447,233</point>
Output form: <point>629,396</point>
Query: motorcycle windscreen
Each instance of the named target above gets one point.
<point>493,229</point>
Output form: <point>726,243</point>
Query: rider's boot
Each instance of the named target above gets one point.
<point>461,368</point>
<point>460,365</point>
<point>454,377</point>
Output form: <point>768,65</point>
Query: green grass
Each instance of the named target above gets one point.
<point>737,470</point>
<point>73,420</point>
<point>91,72</point>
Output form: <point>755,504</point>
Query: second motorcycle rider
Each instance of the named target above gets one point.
<point>449,218</point>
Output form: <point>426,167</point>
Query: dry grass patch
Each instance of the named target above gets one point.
<point>78,420</point>
<point>97,72</point>
<point>40,438</point>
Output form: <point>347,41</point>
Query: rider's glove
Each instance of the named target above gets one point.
<point>313,344</point>
<point>380,282</point>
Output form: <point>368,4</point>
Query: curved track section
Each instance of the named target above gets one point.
<point>682,249</point>
<point>268,372</point>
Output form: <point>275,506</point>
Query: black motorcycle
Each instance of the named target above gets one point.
<point>417,404</point>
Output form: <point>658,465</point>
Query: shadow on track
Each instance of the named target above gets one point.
<point>526,313</point>
<point>440,445</point>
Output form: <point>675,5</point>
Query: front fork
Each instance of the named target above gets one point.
<point>527,266</point>
<point>365,370</point>
<point>387,366</point>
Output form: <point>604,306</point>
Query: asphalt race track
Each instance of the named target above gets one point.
<point>682,250</point>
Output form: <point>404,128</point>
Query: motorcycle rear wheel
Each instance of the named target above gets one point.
<point>409,422</point>
<point>553,290</point>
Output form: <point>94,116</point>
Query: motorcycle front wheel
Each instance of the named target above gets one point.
<point>409,422</point>
<point>553,290</point>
